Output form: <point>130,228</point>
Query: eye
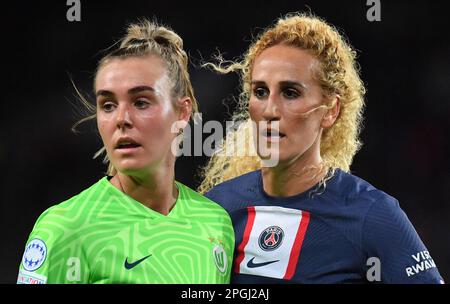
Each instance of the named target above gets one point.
<point>290,93</point>
<point>260,92</point>
<point>141,103</point>
<point>108,106</point>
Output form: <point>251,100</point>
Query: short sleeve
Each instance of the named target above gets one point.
<point>49,257</point>
<point>389,236</point>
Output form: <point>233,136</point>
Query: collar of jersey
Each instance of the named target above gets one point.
<point>304,196</point>
<point>128,199</point>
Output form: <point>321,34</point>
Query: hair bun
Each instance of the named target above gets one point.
<point>146,32</point>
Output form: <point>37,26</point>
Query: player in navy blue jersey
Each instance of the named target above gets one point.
<point>299,215</point>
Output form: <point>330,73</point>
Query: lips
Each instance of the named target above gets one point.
<point>126,143</point>
<point>272,133</point>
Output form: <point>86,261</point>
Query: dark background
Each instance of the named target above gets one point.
<point>404,61</point>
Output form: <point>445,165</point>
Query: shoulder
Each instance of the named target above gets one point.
<point>202,210</point>
<point>382,217</point>
<point>359,199</point>
<point>69,213</point>
<point>200,204</point>
<point>352,190</point>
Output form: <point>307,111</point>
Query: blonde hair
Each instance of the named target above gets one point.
<point>337,74</point>
<point>143,38</point>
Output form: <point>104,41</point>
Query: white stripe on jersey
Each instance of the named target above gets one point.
<point>270,249</point>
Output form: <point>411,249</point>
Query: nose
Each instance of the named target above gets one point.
<point>123,117</point>
<point>271,111</point>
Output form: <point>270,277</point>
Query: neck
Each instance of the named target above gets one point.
<point>296,177</point>
<point>155,190</point>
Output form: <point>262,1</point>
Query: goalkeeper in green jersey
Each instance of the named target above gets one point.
<point>137,224</point>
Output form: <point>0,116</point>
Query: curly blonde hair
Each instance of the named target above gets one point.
<point>338,73</point>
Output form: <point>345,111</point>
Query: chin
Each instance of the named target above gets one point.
<point>278,160</point>
<point>129,168</point>
<point>270,160</point>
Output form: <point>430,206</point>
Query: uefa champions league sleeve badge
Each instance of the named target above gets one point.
<point>35,254</point>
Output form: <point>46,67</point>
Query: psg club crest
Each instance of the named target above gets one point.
<point>35,254</point>
<point>271,238</point>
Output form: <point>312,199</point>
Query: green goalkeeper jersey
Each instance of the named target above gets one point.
<point>104,236</point>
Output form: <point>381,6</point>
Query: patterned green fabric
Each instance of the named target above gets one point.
<point>104,236</point>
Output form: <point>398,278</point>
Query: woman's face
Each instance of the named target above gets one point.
<point>135,113</point>
<point>282,89</point>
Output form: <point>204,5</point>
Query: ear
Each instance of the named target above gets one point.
<point>184,111</point>
<point>332,114</point>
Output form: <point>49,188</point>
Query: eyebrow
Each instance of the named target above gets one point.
<point>294,83</point>
<point>131,91</point>
<point>283,83</point>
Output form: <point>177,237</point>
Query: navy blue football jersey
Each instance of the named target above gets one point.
<point>345,232</point>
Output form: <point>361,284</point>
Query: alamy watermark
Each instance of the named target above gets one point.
<point>374,11</point>
<point>255,139</point>
<point>73,273</point>
<point>74,11</point>
<point>373,274</point>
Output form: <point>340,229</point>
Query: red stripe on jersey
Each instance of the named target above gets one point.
<point>295,253</point>
<point>245,238</point>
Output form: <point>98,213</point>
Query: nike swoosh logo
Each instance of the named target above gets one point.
<point>134,264</point>
<point>251,264</point>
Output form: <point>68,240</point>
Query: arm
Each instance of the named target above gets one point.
<point>389,236</point>
<point>50,256</point>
